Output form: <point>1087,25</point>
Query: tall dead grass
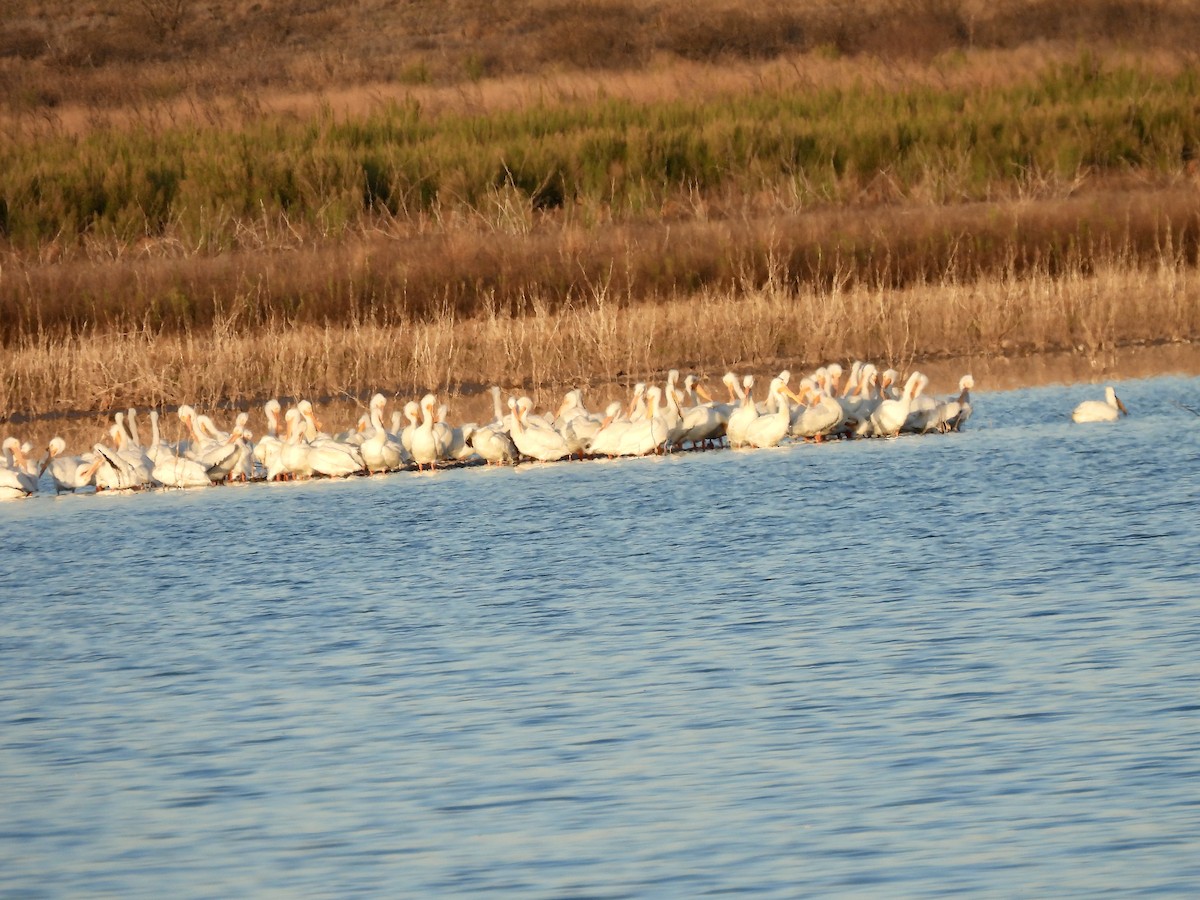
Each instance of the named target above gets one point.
<point>606,339</point>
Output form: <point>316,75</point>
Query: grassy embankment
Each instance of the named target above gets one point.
<point>578,229</point>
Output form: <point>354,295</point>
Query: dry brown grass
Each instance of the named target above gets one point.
<point>126,53</point>
<point>604,343</point>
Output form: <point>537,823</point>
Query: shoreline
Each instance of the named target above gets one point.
<point>992,374</point>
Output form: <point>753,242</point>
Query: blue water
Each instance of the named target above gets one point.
<point>935,666</point>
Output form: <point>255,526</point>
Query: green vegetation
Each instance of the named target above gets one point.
<point>200,184</point>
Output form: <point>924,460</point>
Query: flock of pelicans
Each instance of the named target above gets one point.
<point>678,415</point>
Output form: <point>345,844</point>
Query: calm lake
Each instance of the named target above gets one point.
<point>943,665</point>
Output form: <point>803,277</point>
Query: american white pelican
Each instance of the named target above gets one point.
<point>380,451</point>
<point>702,424</point>
<point>890,415</point>
<point>542,444</point>
<point>648,434</point>
<point>266,450</point>
<point>426,448</point>
<point>180,472</point>
<point>452,442</point>
<point>69,473</point>
<point>952,414</point>
<point>412,414</point>
<point>770,428</point>
<point>576,423</point>
<point>494,445</point>
<point>16,480</point>
<point>817,414</point>
<point>140,465</point>
<point>607,441</point>
<point>922,412</point>
<point>1107,410</point>
<point>114,473</point>
<point>741,417</point>
<point>671,413</point>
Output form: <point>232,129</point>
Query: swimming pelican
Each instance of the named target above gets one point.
<point>952,414</point>
<point>1108,410</point>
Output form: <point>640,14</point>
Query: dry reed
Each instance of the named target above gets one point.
<point>607,340</point>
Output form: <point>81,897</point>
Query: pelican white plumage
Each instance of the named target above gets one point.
<point>494,444</point>
<point>741,417</point>
<point>671,413</point>
<point>817,418</point>
<point>114,472</point>
<point>69,473</point>
<point>380,451</point>
<point>266,449</point>
<point>452,442</point>
<point>607,440</point>
<point>16,480</point>
<point>1107,410</point>
<point>180,472</point>
<point>952,414</point>
<point>890,415</point>
<point>543,444</point>
<point>702,422</point>
<point>426,448</point>
<point>770,428</point>
<point>576,423</point>
<point>647,434</point>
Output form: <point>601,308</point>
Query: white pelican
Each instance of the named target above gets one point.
<point>292,459</point>
<point>426,449</point>
<point>890,415</point>
<point>15,479</point>
<point>69,473</point>
<point>922,412</point>
<point>180,472</point>
<point>380,451</point>
<point>648,434</point>
<point>494,445</point>
<point>575,423</point>
<point>702,422</point>
<point>741,417</point>
<point>412,413</point>
<point>952,414</point>
<point>671,413</point>
<point>140,465</point>
<point>820,418</point>
<point>452,442</point>
<point>607,441</point>
<point>1108,410</point>
<point>113,472</point>
<point>266,450</point>
<point>542,444</point>
<point>770,428</point>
